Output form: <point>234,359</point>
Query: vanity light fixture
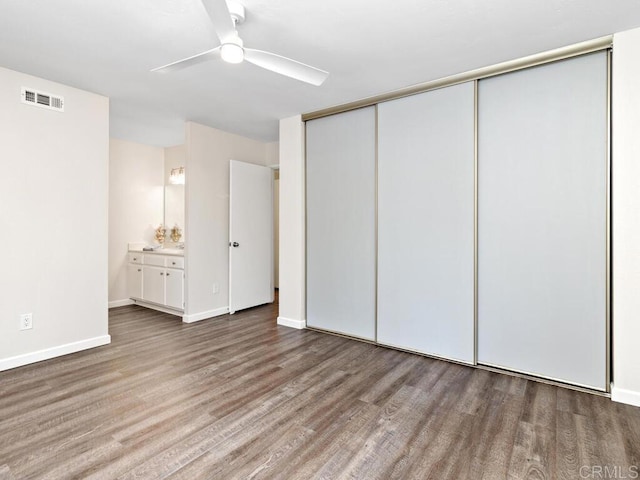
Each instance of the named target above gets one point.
<point>177,176</point>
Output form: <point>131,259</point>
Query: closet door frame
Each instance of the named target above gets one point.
<point>571,51</point>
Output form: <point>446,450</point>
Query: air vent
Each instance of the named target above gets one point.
<point>42,99</point>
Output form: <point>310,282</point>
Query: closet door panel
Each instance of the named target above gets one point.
<point>542,221</point>
<point>426,222</point>
<point>340,172</point>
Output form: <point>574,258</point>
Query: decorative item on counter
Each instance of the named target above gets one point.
<point>176,233</point>
<point>160,233</point>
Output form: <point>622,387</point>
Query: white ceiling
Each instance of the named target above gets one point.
<point>368,46</point>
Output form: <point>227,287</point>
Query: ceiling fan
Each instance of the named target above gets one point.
<point>225,17</point>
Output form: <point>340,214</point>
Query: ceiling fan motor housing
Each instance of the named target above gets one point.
<point>237,12</point>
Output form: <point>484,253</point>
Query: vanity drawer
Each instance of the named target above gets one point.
<point>175,262</point>
<point>157,260</point>
<point>135,257</point>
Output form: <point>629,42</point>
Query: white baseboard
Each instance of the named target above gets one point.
<point>48,353</point>
<point>159,308</point>
<point>288,322</point>
<point>629,397</point>
<point>196,317</point>
<point>121,303</point>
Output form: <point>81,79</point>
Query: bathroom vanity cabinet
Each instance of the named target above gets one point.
<point>156,280</point>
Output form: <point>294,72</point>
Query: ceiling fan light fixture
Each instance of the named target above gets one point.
<point>225,16</point>
<point>232,53</point>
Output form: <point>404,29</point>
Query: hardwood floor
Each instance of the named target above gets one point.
<point>240,397</point>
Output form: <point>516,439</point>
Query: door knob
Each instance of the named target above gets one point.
<point>235,244</point>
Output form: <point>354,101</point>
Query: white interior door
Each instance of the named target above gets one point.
<point>250,235</point>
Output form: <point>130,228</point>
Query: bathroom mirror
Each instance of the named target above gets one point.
<point>174,209</point>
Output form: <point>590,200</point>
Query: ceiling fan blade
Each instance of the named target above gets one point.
<point>221,18</point>
<point>285,66</point>
<point>189,61</point>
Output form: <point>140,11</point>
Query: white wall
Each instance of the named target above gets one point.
<point>626,217</point>
<point>292,224</point>
<point>53,213</point>
<point>207,214</point>
<point>136,180</point>
<point>272,154</point>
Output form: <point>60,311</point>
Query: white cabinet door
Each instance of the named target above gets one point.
<point>134,281</point>
<point>174,288</point>
<point>153,284</point>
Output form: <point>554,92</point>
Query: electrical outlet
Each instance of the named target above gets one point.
<point>216,289</point>
<point>26,321</point>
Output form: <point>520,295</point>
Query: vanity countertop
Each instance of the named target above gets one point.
<point>178,252</point>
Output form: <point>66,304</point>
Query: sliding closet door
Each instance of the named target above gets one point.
<point>426,222</point>
<point>341,240</point>
<point>542,221</point>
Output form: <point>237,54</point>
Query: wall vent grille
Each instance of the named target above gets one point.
<point>36,98</point>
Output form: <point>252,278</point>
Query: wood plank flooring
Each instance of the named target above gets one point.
<point>239,397</point>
